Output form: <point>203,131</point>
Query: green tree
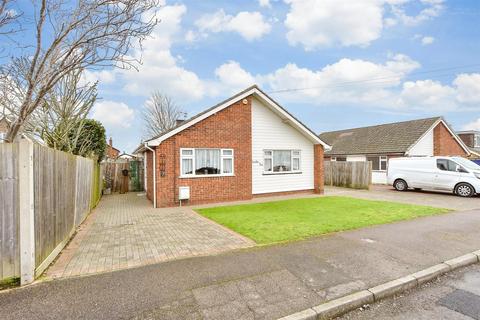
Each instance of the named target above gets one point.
<point>92,140</point>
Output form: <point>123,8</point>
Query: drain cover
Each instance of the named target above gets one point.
<point>463,302</point>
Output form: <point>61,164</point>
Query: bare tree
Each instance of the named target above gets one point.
<point>60,118</point>
<point>160,114</point>
<point>7,16</point>
<point>72,36</point>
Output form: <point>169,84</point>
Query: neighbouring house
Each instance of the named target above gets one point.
<point>243,147</point>
<point>112,153</point>
<point>422,137</point>
<point>4,125</point>
<point>126,156</point>
<point>472,140</point>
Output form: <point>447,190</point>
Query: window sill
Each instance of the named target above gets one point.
<point>379,170</point>
<point>280,173</point>
<point>207,176</point>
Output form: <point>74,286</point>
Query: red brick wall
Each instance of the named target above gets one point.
<point>468,138</point>
<point>111,152</point>
<point>445,144</point>
<point>229,128</point>
<point>318,181</point>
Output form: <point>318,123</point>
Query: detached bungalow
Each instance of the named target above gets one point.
<point>245,146</point>
<point>423,137</point>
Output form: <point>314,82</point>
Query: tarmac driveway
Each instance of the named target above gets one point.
<point>427,198</point>
<point>125,231</point>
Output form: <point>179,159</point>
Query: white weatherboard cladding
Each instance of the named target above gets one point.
<point>270,132</point>
<point>356,158</point>
<point>424,147</point>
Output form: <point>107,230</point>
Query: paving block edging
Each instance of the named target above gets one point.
<point>340,306</point>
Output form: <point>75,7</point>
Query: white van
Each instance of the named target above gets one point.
<point>454,174</point>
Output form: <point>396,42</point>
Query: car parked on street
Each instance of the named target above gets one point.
<point>454,174</point>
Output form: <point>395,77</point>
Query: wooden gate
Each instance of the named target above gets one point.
<point>115,179</point>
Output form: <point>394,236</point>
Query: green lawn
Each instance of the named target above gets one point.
<point>302,218</point>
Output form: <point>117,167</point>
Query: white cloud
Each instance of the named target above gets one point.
<point>431,9</point>
<point>360,83</point>
<point>356,82</point>
<point>468,88</point>
<point>318,24</point>
<point>427,94</point>
<point>250,25</point>
<point>190,36</point>
<point>231,78</point>
<point>427,40</point>
<point>264,3</point>
<point>160,70</point>
<point>102,76</point>
<point>113,114</point>
<point>475,125</point>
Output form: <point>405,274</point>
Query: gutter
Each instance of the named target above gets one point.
<point>154,175</point>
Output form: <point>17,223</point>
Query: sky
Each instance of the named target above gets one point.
<point>334,64</point>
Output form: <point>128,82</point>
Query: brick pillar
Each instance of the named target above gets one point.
<point>318,180</point>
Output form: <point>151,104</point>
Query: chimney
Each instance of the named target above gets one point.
<point>110,142</point>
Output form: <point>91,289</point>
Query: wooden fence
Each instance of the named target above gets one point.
<point>9,244</point>
<point>354,174</point>
<point>114,177</point>
<point>64,189</point>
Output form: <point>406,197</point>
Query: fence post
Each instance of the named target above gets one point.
<point>26,210</point>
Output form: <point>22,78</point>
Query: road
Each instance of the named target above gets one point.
<point>257,283</point>
<point>454,296</point>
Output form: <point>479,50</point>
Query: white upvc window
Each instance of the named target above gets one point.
<point>476,142</point>
<point>281,161</point>
<point>379,163</point>
<point>201,162</point>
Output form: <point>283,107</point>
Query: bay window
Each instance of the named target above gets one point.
<point>206,161</point>
<point>281,161</point>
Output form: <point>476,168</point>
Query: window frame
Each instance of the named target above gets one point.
<point>292,156</point>
<point>193,156</point>
<point>476,140</point>
<point>381,159</point>
<point>452,161</point>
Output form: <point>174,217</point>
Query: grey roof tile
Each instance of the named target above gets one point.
<point>386,138</point>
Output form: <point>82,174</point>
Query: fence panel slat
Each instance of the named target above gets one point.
<point>354,174</point>
<point>9,241</point>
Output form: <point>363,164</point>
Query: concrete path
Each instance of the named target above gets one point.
<point>426,198</point>
<point>255,283</point>
<point>125,231</point>
<point>454,296</point>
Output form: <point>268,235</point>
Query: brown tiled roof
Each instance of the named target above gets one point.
<point>223,102</point>
<point>395,137</point>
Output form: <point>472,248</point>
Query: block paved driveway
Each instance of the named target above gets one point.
<point>125,231</point>
<point>425,198</point>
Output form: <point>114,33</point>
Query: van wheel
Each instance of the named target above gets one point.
<point>400,185</point>
<point>464,190</point>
